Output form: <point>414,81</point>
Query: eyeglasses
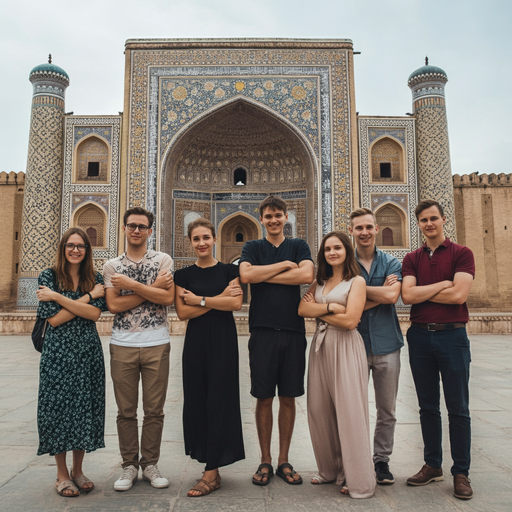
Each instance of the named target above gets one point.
<point>72,247</point>
<point>141,227</point>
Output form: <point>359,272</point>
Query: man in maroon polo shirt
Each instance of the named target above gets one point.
<point>437,278</point>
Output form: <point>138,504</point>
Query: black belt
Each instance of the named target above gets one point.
<point>439,327</point>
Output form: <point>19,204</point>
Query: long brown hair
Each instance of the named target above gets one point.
<point>350,266</point>
<point>86,272</point>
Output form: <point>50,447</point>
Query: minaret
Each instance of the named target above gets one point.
<point>432,147</point>
<point>43,188</point>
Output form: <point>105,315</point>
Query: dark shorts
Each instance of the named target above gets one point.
<point>277,358</point>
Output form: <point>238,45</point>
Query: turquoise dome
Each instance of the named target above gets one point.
<point>427,70</point>
<point>48,68</point>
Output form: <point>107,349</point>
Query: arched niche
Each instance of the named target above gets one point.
<point>392,222</point>
<point>387,159</point>
<point>92,158</point>
<point>228,248</point>
<point>239,134</point>
<point>92,217</point>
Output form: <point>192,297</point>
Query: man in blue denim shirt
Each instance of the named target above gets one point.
<point>380,330</point>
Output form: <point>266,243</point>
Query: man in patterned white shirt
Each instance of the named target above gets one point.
<point>138,288</point>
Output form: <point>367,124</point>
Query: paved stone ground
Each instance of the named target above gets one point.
<point>26,481</point>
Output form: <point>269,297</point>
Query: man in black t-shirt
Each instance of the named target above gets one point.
<point>276,267</point>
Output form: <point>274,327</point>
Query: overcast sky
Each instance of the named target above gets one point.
<point>470,39</point>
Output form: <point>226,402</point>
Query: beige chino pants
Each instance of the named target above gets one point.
<point>127,366</point>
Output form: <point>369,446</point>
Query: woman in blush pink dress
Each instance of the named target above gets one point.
<point>338,374</point>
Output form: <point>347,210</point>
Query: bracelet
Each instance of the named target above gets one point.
<point>328,310</point>
<point>90,297</point>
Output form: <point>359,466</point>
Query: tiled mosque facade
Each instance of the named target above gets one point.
<point>209,128</point>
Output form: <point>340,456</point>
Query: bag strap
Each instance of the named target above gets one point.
<point>54,276</point>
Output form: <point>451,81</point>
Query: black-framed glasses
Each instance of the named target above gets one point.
<point>72,247</point>
<point>141,227</point>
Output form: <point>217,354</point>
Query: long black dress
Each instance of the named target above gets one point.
<point>212,423</point>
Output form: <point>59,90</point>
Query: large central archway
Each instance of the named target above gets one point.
<point>225,163</point>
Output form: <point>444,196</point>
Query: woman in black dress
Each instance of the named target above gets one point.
<point>71,404</point>
<point>206,294</point>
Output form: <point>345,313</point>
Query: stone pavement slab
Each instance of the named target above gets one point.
<point>26,481</point>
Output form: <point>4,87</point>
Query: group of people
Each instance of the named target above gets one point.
<point>357,334</point>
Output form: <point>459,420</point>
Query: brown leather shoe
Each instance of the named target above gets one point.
<point>426,475</point>
<point>462,488</point>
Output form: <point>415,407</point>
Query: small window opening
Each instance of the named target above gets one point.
<point>16,268</point>
<point>240,177</point>
<point>93,168</point>
<point>385,170</point>
<point>93,236</point>
<point>16,236</point>
<point>387,237</point>
<point>239,237</point>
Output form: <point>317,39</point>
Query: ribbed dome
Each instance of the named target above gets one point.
<point>427,71</point>
<point>48,68</point>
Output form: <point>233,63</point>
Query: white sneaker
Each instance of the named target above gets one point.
<point>125,481</point>
<point>152,474</point>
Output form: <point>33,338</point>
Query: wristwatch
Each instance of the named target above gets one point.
<point>203,302</point>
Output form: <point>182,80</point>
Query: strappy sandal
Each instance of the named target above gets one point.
<point>320,480</point>
<point>344,490</point>
<point>260,473</point>
<point>281,474</point>
<point>81,481</point>
<point>65,485</point>
<point>205,487</point>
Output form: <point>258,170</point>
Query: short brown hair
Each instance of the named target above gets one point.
<point>138,210</point>
<point>360,212</point>
<point>274,203</point>
<point>427,203</point>
<point>200,222</point>
<point>351,267</point>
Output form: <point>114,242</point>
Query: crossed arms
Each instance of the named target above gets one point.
<point>160,292</point>
<point>71,308</point>
<point>340,316</point>
<point>188,304</point>
<point>283,272</point>
<point>444,292</point>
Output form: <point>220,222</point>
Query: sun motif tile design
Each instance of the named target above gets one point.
<point>403,195</point>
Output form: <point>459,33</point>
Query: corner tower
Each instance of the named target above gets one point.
<point>433,150</point>
<point>43,189</point>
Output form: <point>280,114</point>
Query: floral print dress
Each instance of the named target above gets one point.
<point>71,405</point>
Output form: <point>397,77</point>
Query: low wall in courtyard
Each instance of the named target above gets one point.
<point>479,323</point>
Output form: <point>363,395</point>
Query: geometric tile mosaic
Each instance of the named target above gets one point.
<point>307,87</point>
<point>105,195</point>
<point>42,199</point>
<point>402,195</point>
<point>434,167</point>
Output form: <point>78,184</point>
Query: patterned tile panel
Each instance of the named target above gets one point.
<point>83,131</point>
<point>328,67</point>
<point>42,198</point>
<point>105,195</point>
<point>434,167</point>
<point>404,195</point>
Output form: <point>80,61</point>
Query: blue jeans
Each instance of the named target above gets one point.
<point>445,352</point>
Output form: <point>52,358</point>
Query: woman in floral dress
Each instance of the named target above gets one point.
<point>71,405</point>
